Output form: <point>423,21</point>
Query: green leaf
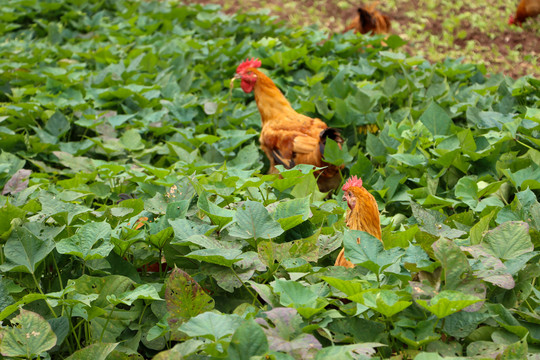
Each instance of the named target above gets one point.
<point>252,221</point>
<point>349,287</point>
<point>24,251</point>
<point>344,352</point>
<point>386,302</point>
<point>104,323</point>
<point>410,159</point>
<point>98,351</point>
<point>248,340</point>
<point>370,252</point>
<point>184,228</point>
<point>528,177</point>
<point>394,41</point>
<point>293,293</point>
<point>282,327</point>
<point>334,155</point>
<point>453,261</point>
<point>462,323</point>
<point>504,317</point>
<point>132,140</point>
<point>29,336</point>
<point>8,213</point>
<point>291,213</point>
<point>144,291</point>
<point>64,211</point>
<point>431,221</point>
<point>91,241</point>
<point>448,302</point>
<point>160,239</point>
<point>375,147</point>
<point>467,190</point>
<point>436,120</point>
<point>478,230</point>
<point>217,214</point>
<point>509,240</point>
<point>185,297</point>
<point>416,334</point>
<point>57,125</point>
<point>224,257</point>
<point>211,325</point>
<point>60,326</point>
<point>518,350</point>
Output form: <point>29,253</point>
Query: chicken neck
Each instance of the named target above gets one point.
<point>270,100</point>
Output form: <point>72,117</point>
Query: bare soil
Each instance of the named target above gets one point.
<point>493,48</point>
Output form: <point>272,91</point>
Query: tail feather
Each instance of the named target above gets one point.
<point>280,160</point>
<point>367,21</point>
<point>329,133</point>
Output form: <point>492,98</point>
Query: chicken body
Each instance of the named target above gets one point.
<point>287,137</point>
<point>525,9</point>
<point>363,214</point>
<point>369,19</point>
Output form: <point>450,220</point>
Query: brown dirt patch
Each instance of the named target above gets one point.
<point>512,51</point>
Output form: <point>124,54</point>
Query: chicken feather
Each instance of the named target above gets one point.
<point>362,214</point>
<point>369,19</point>
<point>525,9</point>
<point>287,137</point>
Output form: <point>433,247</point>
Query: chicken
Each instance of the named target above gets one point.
<point>369,19</point>
<point>525,9</point>
<point>363,214</point>
<point>287,137</point>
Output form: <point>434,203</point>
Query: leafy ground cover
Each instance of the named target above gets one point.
<point>137,222</point>
<point>478,32</point>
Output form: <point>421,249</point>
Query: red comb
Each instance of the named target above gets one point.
<point>253,63</point>
<point>353,181</point>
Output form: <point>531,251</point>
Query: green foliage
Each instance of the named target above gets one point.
<point>125,154</point>
<point>30,336</point>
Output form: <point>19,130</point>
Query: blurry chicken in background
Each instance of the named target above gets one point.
<point>363,214</point>
<point>525,9</point>
<point>369,19</point>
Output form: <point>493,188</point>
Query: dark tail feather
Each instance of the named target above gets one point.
<point>367,21</point>
<point>329,133</point>
<point>280,160</point>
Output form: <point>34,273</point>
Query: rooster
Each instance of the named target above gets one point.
<point>363,214</point>
<point>525,9</point>
<point>287,137</point>
<point>369,19</point>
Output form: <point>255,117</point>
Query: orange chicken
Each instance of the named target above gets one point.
<point>362,214</point>
<point>369,19</point>
<point>287,137</point>
<point>525,9</point>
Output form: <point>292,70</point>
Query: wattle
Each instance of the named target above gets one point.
<point>247,86</point>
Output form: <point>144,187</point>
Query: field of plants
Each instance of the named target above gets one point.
<point>473,31</point>
<point>137,220</point>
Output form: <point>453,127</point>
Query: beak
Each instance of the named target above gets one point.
<point>236,76</point>
<point>344,198</point>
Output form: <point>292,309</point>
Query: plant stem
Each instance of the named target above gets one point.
<point>58,272</point>
<point>142,313</point>
<point>41,292</point>
<point>159,265</point>
<point>106,323</point>
<point>244,285</point>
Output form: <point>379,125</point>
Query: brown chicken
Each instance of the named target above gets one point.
<point>363,214</point>
<point>369,19</point>
<point>525,9</point>
<point>287,137</point>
